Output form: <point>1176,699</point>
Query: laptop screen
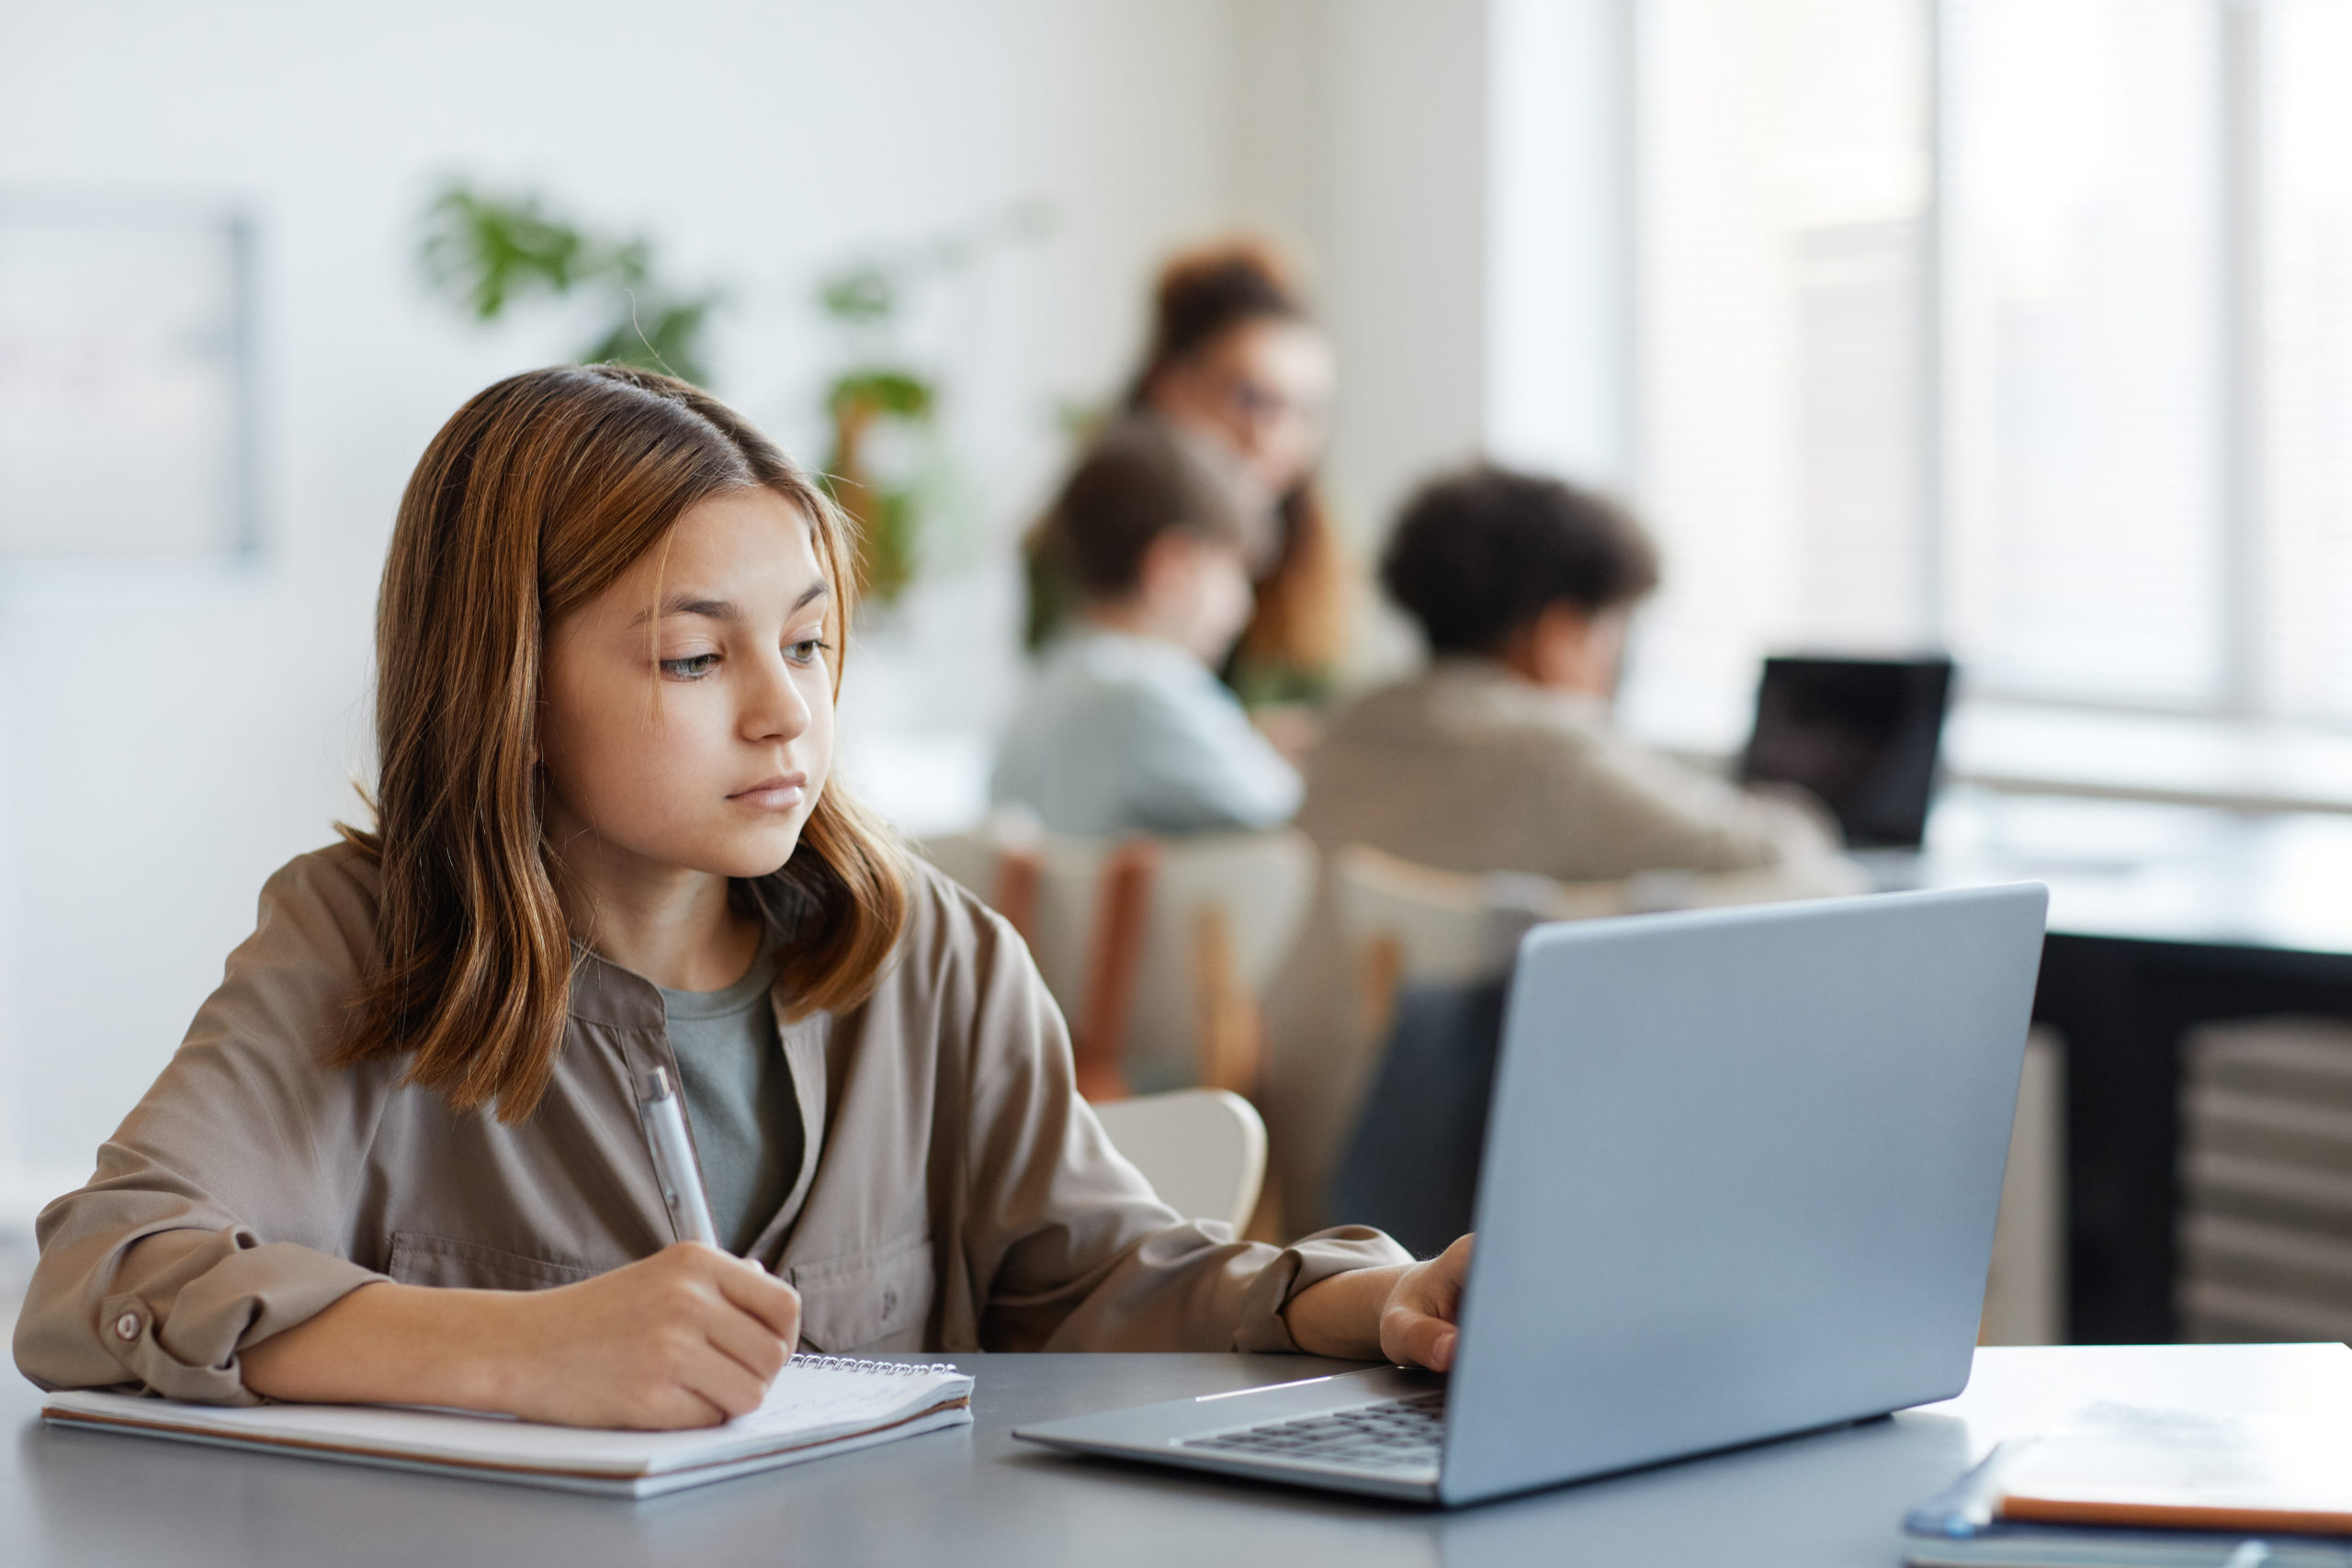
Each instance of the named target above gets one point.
<point>1860,734</point>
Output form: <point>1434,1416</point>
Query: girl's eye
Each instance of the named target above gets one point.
<point>692,668</point>
<point>806,651</point>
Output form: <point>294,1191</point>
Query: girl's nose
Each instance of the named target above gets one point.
<point>776,710</point>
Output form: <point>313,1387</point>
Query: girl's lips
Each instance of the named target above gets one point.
<point>782,793</point>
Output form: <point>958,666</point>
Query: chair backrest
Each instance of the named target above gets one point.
<point>1204,1150</point>
<point>1451,927</point>
<point>1175,986</point>
<point>1406,924</point>
<point>971,858</point>
<point>1225,909</point>
<point>1046,886</point>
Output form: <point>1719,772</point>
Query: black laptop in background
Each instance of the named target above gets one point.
<point>1862,734</point>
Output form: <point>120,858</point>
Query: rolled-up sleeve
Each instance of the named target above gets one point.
<point>171,1312</point>
<point>1073,1249</point>
<point>156,1273</point>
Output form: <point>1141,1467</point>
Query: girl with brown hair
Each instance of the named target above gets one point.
<point>398,1157</point>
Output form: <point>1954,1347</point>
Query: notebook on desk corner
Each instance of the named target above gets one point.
<point>2117,1485</point>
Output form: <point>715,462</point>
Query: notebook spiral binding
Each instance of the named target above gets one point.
<point>855,1364</point>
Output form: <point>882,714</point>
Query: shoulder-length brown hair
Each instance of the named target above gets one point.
<point>532,499</point>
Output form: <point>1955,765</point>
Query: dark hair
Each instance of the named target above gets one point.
<point>1478,555</point>
<point>534,498</point>
<point>1202,294</point>
<point>1136,484</point>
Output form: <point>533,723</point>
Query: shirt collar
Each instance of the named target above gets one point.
<point>603,992</point>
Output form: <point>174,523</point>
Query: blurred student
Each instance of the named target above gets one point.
<point>1128,728</point>
<point>1237,368</point>
<point>1502,755</point>
<point>397,1159</point>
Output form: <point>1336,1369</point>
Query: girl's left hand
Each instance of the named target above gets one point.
<point>1404,1313</point>
<point>1418,1325</point>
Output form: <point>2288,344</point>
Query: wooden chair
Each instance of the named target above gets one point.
<point>1204,1150</point>
<point>1157,949</point>
<point>1407,924</point>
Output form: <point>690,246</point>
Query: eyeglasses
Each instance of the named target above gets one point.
<point>1261,404</point>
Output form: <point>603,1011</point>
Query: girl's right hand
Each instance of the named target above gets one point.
<point>687,1337</point>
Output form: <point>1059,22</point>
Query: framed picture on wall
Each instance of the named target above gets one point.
<point>127,416</point>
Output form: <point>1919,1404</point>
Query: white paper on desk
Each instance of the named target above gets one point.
<point>806,1407</point>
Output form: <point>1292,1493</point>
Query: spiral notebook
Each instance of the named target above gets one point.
<point>817,1405</point>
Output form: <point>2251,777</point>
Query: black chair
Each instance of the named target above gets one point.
<point>1412,1166</point>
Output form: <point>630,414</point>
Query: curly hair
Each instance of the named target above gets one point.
<point>1478,555</point>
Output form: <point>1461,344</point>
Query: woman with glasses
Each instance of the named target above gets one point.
<point>1238,373</point>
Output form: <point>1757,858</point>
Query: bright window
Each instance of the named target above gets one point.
<point>1781,209</point>
<point>2018,326</point>
<point>2305,545</point>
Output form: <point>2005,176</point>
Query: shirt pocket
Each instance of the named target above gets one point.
<point>418,1258</point>
<point>878,1300</point>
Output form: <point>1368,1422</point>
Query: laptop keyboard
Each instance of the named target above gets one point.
<point>1398,1434</point>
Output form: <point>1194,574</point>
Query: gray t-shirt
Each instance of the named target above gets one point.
<point>740,1099</point>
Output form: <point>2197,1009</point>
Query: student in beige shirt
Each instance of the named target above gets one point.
<point>398,1158</point>
<point>1502,755</point>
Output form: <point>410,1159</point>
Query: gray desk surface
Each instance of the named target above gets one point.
<point>975,1496</point>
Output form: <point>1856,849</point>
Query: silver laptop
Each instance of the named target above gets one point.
<point>1740,1177</point>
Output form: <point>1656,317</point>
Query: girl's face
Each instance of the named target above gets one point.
<point>1264,388</point>
<point>694,734</point>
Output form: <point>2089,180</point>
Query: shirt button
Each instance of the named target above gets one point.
<point>127,1325</point>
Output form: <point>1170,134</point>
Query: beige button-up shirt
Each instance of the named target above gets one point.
<point>958,1194</point>
<point>1469,768</point>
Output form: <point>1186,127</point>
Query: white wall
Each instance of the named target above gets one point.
<point>1456,171</point>
<point>1398,218</point>
<point>1558,325</point>
<point>172,732</point>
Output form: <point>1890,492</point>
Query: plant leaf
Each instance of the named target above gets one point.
<point>898,394</point>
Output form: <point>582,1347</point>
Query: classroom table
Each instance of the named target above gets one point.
<point>2163,916</point>
<point>976,1497</point>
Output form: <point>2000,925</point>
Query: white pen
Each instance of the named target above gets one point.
<point>674,1157</point>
